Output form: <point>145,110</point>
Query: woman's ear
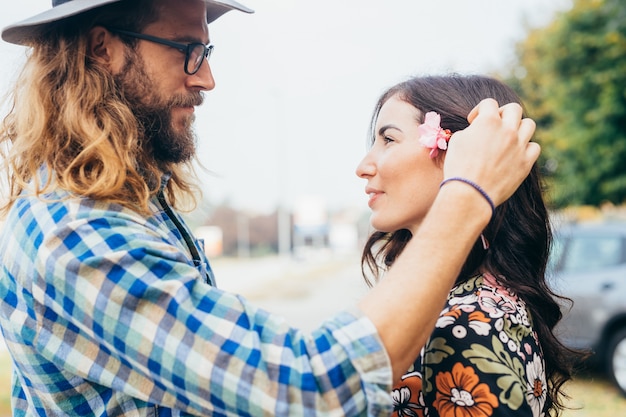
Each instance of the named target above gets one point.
<point>106,49</point>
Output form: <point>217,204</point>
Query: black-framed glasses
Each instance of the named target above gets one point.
<point>195,52</point>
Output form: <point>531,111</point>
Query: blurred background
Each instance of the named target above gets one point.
<point>284,216</point>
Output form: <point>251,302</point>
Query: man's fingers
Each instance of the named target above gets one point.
<point>495,151</point>
<point>532,152</point>
<point>487,105</point>
<point>511,114</point>
<point>526,130</point>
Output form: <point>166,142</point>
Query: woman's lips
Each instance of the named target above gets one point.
<point>373,196</point>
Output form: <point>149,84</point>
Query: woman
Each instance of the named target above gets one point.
<point>493,351</point>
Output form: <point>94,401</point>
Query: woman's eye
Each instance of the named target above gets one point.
<point>387,139</point>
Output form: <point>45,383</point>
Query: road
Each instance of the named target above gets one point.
<point>304,292</point>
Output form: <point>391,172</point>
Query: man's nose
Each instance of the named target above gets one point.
<point>203,79</point>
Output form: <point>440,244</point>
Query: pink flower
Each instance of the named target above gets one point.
<point>432,135</point>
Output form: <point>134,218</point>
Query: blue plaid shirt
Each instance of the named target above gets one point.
<point>105,313</point>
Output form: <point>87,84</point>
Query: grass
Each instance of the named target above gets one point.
<point>5,383</point>
<point>592,395</point>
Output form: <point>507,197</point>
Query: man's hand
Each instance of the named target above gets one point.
<point>495,150</point>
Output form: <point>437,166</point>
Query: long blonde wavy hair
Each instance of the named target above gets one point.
<point>66,115</point>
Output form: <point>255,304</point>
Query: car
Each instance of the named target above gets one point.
<point>588,265</point>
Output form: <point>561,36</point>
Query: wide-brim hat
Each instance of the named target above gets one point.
<point>21,33</point>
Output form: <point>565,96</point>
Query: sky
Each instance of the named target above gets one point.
<point>297,82</point>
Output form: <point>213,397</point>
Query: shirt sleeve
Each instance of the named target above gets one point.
<point>120,306</point>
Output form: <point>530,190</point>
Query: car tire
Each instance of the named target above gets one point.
<point>616,360</point>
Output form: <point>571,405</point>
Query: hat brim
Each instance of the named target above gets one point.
<point>23,32</point>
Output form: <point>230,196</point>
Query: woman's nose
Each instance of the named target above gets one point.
<point>366,167</point>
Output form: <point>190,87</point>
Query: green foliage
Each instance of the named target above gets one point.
<point>571,75</point>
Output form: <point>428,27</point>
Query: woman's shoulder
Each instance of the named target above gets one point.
<point>486,293</point>
<point>484,334</point>
<point>484,307</point>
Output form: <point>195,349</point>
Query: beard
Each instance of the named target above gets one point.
<point>159,137</point>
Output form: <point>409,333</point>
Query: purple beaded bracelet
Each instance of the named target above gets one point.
<point>476,187</point>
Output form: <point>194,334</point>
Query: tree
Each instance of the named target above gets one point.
<point>571,75</point>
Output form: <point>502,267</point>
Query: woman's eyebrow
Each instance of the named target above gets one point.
<point>384,128</point>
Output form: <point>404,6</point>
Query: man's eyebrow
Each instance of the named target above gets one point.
<point>190,39</point>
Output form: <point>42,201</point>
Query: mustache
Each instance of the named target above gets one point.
<point>186,100</point>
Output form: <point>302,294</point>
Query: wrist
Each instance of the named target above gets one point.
<point>464,204</point>
<point>475,186</point>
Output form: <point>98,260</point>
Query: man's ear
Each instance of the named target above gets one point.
<point>106,49</point>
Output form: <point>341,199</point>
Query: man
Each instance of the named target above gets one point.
<point>108,303</point>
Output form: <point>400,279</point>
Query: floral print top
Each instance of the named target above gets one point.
<point>482,359</point>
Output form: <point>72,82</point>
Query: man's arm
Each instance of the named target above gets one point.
<point>493,152</point>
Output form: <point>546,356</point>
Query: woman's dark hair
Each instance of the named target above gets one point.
<point>519,233</point>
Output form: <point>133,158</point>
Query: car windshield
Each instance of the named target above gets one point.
<point>556,252</point>
<point>572,252</point>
